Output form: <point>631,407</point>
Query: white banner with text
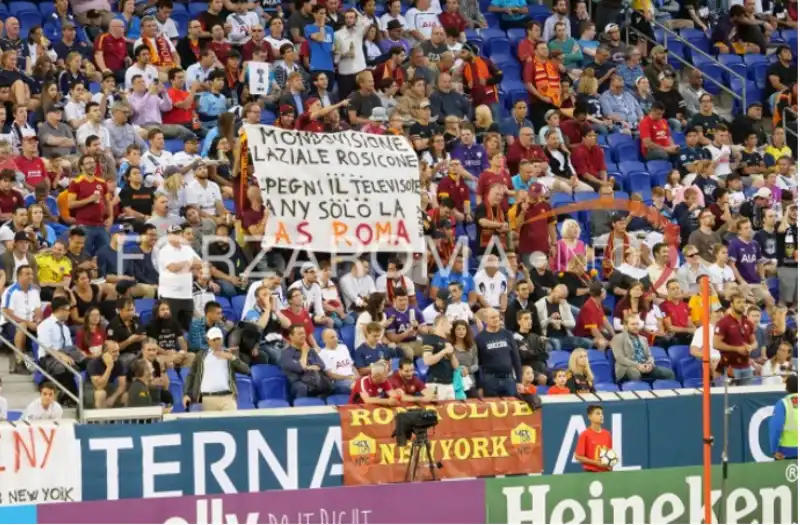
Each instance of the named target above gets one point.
<point>344,192</point>
<point>39,463</point>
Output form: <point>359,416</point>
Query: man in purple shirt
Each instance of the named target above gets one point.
<point>747,264</point>
<point>406,325</point>
<point>471,154</point>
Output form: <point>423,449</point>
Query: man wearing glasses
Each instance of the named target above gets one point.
<point>689,272</point>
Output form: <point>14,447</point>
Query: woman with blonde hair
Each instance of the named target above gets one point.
<point>174,189</point>
<point>484,123</point>
<point>580,379</point>
<point>588,98</point>
<point>570,245</point>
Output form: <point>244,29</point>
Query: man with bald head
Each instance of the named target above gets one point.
<point>498,358</point>
<point>111,50</point>
<point>12,42</point>
<point>338,363</point>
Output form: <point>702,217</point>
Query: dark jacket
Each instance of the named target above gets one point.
<point>290,363</point>
<point>143,269</point>
<point>192,386</point>
<point>139,395</point>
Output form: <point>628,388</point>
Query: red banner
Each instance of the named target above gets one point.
<point>473,438</point>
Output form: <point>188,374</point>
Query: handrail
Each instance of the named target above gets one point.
<point>78,377</point>
<point>786,130</point>
<point>669,32</point>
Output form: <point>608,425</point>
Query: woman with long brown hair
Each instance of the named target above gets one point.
<point>467,354</point>
<point>44,233</point>
<point>91,335</point>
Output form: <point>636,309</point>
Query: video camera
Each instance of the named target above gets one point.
<point>413,422</point>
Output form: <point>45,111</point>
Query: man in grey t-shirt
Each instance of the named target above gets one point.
<point>705,238</point>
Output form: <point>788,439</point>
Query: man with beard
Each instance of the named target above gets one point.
<point>168,337</point>
<point>227,262</point>
<point>634,361</point>
<point>658,65</point>
<point>734,337</point>
<point>348,44</point>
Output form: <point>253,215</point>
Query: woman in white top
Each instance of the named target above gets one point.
<point>374,312</point>
<point>778,365</point>
<point>720,273</point>
<point>175,191</point>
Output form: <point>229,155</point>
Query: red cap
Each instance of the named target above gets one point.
<point>536,190</point>
<point>286,108</point>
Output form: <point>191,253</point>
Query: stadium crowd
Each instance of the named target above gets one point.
<point>122,132</point>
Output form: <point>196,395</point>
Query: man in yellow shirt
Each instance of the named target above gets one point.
<point>55,269</point>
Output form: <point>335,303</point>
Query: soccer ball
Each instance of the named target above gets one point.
<point>608,457</point>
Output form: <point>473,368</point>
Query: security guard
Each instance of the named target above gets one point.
<point>783,424</point>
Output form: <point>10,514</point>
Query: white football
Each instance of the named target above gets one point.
<point>609,458</point>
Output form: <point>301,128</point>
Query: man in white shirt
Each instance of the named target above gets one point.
<point>272,281</point>
<point>720,151</point>
<point>349,45</point>
<point>56,349</point>
<point>166,26</point>
<point>312,294</point>
<point>241,20</point>
<point>155,160</point>
<point>421,19</point>
<point>357,285</point>
<point>338,363</point>
<point>206,196</point>
<point>187,157</point>
<point>176,263</point>
<point>212,382</point>
<point>394,278</point>
<point>198,72</point>
<point>45,407</point>
<point>141,67</point>
<point>93,126</point>
<point>492,285</point>
<point>22,305</point>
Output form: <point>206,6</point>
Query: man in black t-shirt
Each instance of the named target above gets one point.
<point>126,330</point>
<point>706,120</point>
<point>439,355</point>
<point>767,238</point>
<point>782,73</point>
<point>107,382</point>
<point>422,130</point>
<point>299,20</point>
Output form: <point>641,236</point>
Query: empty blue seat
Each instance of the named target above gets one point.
<point>173,145</point>
<point>273,388</point>
<point>630,166</point>
<point>606,387</point>
<point>237,305</point>
<point>558,359</point>
<point>308,402</point>
<point>499,46</point>
<point>677,352</point>
<point>492,20</point>
<point>178,7</point>
<point>634,386</point>
<point>627,153</point>
<point>729,59</point>
<point>244,404</point>
<point>638,182</point>
<point>714,71</point>
<point>261,372</point>
<point>514,90</point>
<point>347,333</point>
<point>339,399</point>
<point>665,384</point>
<point>515,35</point>
<point>273,403</point>
<point>490,34</point>
<point>659,165</point>
<point>695,382</point>
<point>689,367</point>
<point>245,388</point>
<point>15,8</point>
<point>658,352</point>
<point>602,372</point>
<point>195,8</point>
<point>47,9</point>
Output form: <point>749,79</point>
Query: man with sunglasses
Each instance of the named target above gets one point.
<point>689,272</point>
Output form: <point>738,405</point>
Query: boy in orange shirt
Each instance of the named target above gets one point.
<point>560,386</point>
<point>593,442</point>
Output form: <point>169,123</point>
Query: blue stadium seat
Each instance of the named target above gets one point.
<point>347,334</point>
<point>14,415</point>
<point>696,382</point>
<point>658,165</point>
<point>758,73</point>
<point>195,407</point>
<point>273,403</point>
<point>195,8</point>
<point>15,8</point>
<point>634,386</point>
<point>676,353</point>
<point>714,71</point>
<point>629,166</point>
<point>237,304</point>
<point>689,367</point>
<point>658,352</point>
<point>244,404</point>
<point>638,182</point>
<point>173,145</point>
<point>492,20</point>
<point>602,372</point>
<point>499,46</point>
<point>47,9</point>
<point>514,90</point>
<point>665,384</point>
<point>308,402</point>
<point>339,399</point>
<point>606,387</point>
<point>144,309</point>
<point>261,372</point>
<point>680,139</point>
<point>560,199</point>
<point>273,388</point>
<point>515,35</point>
<point>627,153</point>
<point>245,387</point>
<point>511,70</point>
<point>558,359</point>
<point>729,59</point>
<point>490,34</point>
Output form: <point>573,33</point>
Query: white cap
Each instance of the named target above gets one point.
<point>764,193</point>
<point>214,333</point>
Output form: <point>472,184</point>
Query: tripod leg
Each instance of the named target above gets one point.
<point>431,466</point>
<point>413,462</point>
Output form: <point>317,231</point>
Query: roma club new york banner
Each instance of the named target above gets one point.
<point>337,192</point>
<point>473,438</point>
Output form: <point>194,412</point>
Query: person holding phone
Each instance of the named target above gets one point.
<point>212,378</point>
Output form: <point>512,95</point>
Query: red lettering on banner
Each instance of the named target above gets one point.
<point>402,232</point>
<point>302,229</point>
<point>49,439</point>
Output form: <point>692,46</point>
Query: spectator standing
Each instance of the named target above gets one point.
<point>439,355</point>
<point>320,39</point>
<point>787,256</point>
<point>593,442</point>
<point>212,378</point>
<point>90,204</point>
<point>349,46</point>
<point>176,260</point>
<point>734,337</point>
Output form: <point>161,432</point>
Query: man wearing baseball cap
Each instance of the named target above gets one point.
<point>176,263</point>
<point>286,117</point>
<point>212,378</point>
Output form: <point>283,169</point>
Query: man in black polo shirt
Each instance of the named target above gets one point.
<point>782,73</point>
<point>440,356</point>
<point>103,371</point>
<point>498,359</point>
<point>126,330</point>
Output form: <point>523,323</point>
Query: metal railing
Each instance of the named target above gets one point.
<point>27,359</point>
<point>667,33</point>
<point>786,130</point>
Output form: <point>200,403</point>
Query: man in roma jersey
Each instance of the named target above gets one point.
<point>593,441</point>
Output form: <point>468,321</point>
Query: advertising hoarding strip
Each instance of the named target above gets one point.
<point>755,493</point>
<point>473,438</point>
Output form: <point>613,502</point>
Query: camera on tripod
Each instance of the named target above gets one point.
<point>416,423</point>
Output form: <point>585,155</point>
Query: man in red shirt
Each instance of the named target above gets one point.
<point>734,337</point>
<point>589,161</point>
<point>413,387</point>
<point>374,388</point>
<point>575,128</point>
<point>536,233</point>
<point>527,46</point>
<point>593,442</point>
<point>10,199</point>
<point>257,41</point>
<point>111,50</point>
<point>454,187</point>
<point>29,163</point>
<point>656,138</point>
<point>182,100</point>
<point>311,119</point>
<point>523,149</point>
<point>677,322</point>
<point>89,202</point>
<point>592,322</point>
<point>452,17</point>
<point>298,315</point>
